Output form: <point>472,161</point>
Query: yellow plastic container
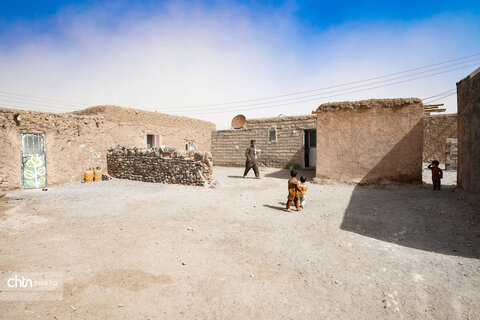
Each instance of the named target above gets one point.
<point>89,175</point>
<point>98,174</point>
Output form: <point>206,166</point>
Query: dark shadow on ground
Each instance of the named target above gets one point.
<point>414,216</point>
<point>285,174</point>
<point>274,207</point>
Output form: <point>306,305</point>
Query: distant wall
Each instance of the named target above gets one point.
<point>131,127</point>
<point>436,130</point>
<point>74,142</point>
<point>451,163</point>
<point>228,146</point>
<point>370,141</point>
<point>468,104</point>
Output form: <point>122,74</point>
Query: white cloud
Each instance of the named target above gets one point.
<point>190,56</point>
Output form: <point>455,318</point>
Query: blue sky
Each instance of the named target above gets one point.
<point>170,56</point>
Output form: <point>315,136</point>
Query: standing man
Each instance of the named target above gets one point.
<point>251,160</point>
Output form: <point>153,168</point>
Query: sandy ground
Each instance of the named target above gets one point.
<point>133,250</point>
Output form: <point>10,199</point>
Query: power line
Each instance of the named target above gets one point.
<point>55,102</point>
<point>442,93</point>
<point>309,100</point>
<point>332,91</point>
<point>12,94</point>
<point>329,87</point>
<point>45,104</point>
<point>451,94</point>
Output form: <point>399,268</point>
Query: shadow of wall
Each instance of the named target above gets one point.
<point>413,216</point>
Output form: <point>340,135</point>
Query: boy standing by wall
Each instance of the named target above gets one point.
<point>437,174</point>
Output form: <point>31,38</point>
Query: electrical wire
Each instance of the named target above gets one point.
<point>309,100</point>
<point>330,87</point>
<point>57,104</point>
<point>330,92</point>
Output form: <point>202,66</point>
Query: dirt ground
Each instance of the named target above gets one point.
<point>134,250</point>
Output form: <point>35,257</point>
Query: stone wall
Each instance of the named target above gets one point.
<point>468,105</point>
<point>228,146</point>
<point>370,141</point>
<point>80,140</point>
<point>162,165</point>
<point>451,161</point>
<point>436,130</point>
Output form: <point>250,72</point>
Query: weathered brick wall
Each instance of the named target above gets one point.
<point>436,130</point>
<point>468,104</point>
<point>451,162</point>
<point>162,165</point>
<point>228,146</point>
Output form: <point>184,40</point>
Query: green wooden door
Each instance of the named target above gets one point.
<point>34,166</point>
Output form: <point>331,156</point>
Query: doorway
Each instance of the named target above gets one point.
<point>310,148</point>
<point>34,166</point>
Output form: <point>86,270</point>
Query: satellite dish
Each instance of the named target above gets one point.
<point>239,122</point>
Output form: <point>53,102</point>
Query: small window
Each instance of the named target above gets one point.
<point>153,140</point>
<point>272,134</point>
<point>190,146</point>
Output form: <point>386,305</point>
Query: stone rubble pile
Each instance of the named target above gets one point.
<point>163,164</point>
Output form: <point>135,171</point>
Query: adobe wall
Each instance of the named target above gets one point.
<point>228,146</point>
<point>436,130</point>
<point>451,163</point>
<point>72,144</point>
<point>468,104</point>
<point>132,125</point>
<point>76,141</point>
<point>370,141</point>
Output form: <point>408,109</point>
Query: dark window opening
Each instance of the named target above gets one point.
<point>153,140</point>
<point>272,134</point>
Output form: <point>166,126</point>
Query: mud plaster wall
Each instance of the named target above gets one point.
<point>436,130</point>
<point>131,127</point>
<point>468,104</point>
<point>371,143</point>
<point>228,146</point>
<point>74,142</point>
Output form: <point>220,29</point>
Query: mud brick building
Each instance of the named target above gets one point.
<point>437,130</point>
<point>370,141</point>
<point>468,104</point>
<point>40,149</point>
<point>281,141</point>
<point>451,162</point>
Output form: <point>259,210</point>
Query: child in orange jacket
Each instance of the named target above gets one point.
<point>293,191</point>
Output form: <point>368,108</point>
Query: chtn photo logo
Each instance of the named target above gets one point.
<point>31,286</point>
<point>22,282</point>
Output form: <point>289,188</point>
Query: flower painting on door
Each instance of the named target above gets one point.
<point>34,172</point>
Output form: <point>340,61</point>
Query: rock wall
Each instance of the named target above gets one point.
<point>228,146</point>
<point>436,130</point>
<point>80,140</point>
<point>468,105</point>
<point>162,165</point>
<point>370,141</point>
<point>451,162</point>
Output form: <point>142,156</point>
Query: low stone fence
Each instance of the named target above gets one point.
<point>162,164</point>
